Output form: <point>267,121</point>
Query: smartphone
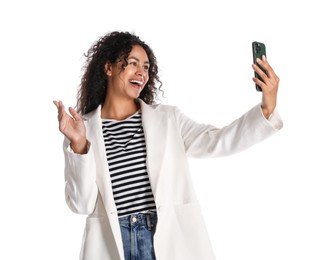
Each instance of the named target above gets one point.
<point>259,50</point>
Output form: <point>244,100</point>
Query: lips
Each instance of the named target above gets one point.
<point>136,82</point>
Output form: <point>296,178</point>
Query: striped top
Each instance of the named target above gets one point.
<point>126,156</point>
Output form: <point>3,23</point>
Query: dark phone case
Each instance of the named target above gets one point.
<point>259,50</point>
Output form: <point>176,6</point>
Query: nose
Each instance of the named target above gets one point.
<point>140,71</point>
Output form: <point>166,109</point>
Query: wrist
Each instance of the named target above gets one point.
<point>79,146</point>
<point>267,112</point>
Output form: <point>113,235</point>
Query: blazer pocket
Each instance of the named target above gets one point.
<point>98,241</point>
<point>191,225</point>
<point>188,212</point>
<point>181,234</point>
<point>90,220</point>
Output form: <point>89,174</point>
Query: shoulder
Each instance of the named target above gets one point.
<point>158,108</point>
<point>93,115</point>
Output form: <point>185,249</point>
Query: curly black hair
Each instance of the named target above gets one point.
<point>112,48</point>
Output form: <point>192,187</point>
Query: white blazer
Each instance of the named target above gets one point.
<point>170,138</point>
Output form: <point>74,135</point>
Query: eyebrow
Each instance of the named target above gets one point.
<point>132,57</point>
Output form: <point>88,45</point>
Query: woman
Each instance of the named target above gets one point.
<point>126,161</point>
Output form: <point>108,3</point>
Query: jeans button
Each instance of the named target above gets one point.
<point>134,219</point>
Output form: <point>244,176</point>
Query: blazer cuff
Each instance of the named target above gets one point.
<point>70,150</point>
<point>274,119</point>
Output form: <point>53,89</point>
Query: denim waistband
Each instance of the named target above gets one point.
<point>148,219</point>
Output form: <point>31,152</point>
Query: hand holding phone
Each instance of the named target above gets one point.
<point>259,50</point>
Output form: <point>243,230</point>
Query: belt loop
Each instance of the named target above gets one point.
<point>148,221</point>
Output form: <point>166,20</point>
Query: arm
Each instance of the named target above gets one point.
<point>202,140</point>
<point>269,85</point>
<point>253,127</point>
<point>80,180</point>
<point>80,170</point>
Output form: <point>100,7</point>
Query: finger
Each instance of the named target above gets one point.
<point>270,78</point>
<point>260,83</point>
<point>61,104</point>
<point>260,72</point>
<point>61,109</point>
<point>56,103</point>
<point>266,66</point>
<point>74,114</point>
<point>61,115</point>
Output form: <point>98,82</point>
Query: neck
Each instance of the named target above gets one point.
<point>119,109</point>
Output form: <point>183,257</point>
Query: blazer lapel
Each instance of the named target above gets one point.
<point>95,136</point>
<point>103,179</point>
<point>155,126</point>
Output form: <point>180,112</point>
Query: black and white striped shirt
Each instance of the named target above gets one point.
<point>126,156</point>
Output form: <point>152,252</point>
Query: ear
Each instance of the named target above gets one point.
<point>108,69</point>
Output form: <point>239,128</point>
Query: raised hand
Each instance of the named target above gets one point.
<point>72,126</point>
<point>269,85</point>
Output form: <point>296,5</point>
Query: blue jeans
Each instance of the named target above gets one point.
<point>137,234</point>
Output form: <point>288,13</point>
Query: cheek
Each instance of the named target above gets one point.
<point>146,82</point>
<point>147,78</point>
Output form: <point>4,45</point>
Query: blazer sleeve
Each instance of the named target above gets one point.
<point>80,180</point>
<point>201,140</point>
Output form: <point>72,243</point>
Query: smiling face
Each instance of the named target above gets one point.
<point>127,82</point>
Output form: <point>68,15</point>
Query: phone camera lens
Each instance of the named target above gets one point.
<point>258,48</point>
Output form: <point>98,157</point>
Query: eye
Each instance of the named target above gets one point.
<point>133,63</point>
<point>146,67</point>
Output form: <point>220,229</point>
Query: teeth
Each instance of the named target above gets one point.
<point>136,82</point>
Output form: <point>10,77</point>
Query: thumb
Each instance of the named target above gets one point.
<point>74,114</point>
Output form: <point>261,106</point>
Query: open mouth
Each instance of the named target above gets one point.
<point>137,83</point>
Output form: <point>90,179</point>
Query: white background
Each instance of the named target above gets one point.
<point>264,203</point>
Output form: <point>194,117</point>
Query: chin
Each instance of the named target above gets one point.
<point>136,95</point>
